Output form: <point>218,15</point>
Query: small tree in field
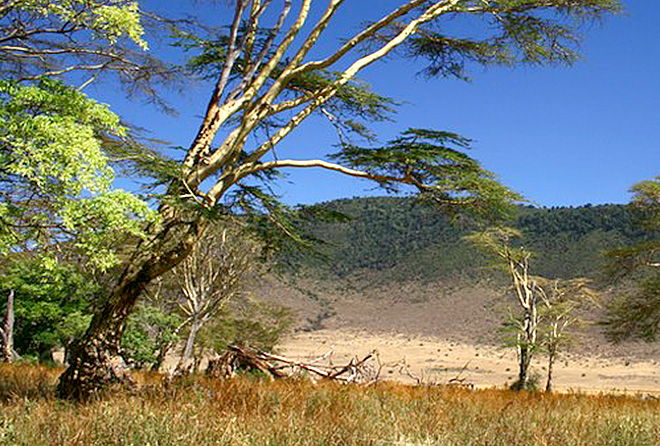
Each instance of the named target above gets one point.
<point>215,272</point>
<point>548,308</point>
<point>562,299</point>
<point>526,290</point>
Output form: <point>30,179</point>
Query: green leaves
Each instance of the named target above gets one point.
<point>150,331</point>
<point>56,183</point>
<point>636,311</point>
<point>49,136</point>
<point>512,32</point>
<point>434,163</point>
<point>52,303</point>
<point>108,19</point>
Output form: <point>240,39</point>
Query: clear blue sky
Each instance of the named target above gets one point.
<point>559,136</point>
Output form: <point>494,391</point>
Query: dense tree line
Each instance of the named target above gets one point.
<point>412,240</point>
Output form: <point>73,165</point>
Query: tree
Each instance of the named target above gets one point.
<point>526,289</point>
<point>547,307</point>
<point>562,298</point>
<point>7,354</point>
<point>215,271</point>
<point>635,311</point>
<point>267,85</point>
<point>83,39</point>
<point>55,188</point>
<point>53,304</point>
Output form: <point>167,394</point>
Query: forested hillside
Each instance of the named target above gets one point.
<point>413,241</point>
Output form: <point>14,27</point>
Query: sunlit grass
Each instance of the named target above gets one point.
<point>257,412</point>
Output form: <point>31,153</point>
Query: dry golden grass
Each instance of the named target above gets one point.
<point>251,411</point>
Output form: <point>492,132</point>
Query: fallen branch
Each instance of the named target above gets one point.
<point>237,359</point>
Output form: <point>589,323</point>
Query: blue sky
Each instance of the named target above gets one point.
<point>557,135</point>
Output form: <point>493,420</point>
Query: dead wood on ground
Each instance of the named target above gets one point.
<point>236,359</point>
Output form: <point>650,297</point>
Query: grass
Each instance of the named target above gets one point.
<point>257,412</point>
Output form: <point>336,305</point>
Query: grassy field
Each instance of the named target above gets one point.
<point>251,411</point>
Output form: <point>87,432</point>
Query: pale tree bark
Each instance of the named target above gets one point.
<point>526,291</point>
<point>7,330</point>
<point>213,274</point>
<point>561,300</point>
<point>552,354</point>
<point>187,355</point>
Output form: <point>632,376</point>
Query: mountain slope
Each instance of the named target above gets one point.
<point>412,241</point>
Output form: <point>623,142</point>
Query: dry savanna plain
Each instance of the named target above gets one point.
<point>422,334</point>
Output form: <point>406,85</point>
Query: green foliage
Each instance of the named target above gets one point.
<point>107,19</point>
<point>353,104</point>
<point>635,312</point>
<point>412,240</point>
<point>434,163</point>
<point>513,32</point>
<point>53,304</point>
<point>56,183</point>
<point>646,200</point>
<point>150,331</point>
<point>250,322</point>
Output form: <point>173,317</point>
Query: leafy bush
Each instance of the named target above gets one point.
<point>150,332</point>
<point>250,322</point>
<point>52,304</point>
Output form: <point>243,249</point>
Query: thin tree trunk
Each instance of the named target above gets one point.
<point>186,361</point>
<point>523,367</point>
<point>551,363</point>
<point>162,353</point>
<point>90,369</point>
<point>8,330</point>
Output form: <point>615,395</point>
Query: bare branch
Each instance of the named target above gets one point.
<point>361,37</point>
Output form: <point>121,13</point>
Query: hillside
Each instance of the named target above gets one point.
<point>413,241</point>
<point>398,265</point>
<point>398,277</point>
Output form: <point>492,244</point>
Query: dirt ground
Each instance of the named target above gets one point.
<point>442,332</point>
<point>436,360</point>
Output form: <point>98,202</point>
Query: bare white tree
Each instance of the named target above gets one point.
<point>214,273</point>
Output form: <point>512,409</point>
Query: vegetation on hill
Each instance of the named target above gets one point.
<point>411,241</point>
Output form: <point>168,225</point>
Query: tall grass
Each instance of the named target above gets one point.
<point>256,412</point>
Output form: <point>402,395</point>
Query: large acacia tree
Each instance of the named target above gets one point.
<point>266,84</point>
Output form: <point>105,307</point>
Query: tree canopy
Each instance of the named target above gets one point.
<point>56,179</point>
<point>635,312</point>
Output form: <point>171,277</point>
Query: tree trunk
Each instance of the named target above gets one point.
<point>186,362</point>
<point>90,368</point>
<point>8,330</point>
<point>523,368</point>
<point>551,363</point>
<point>162,353</point>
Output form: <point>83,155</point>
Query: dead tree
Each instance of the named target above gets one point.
<point>235,359</point>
